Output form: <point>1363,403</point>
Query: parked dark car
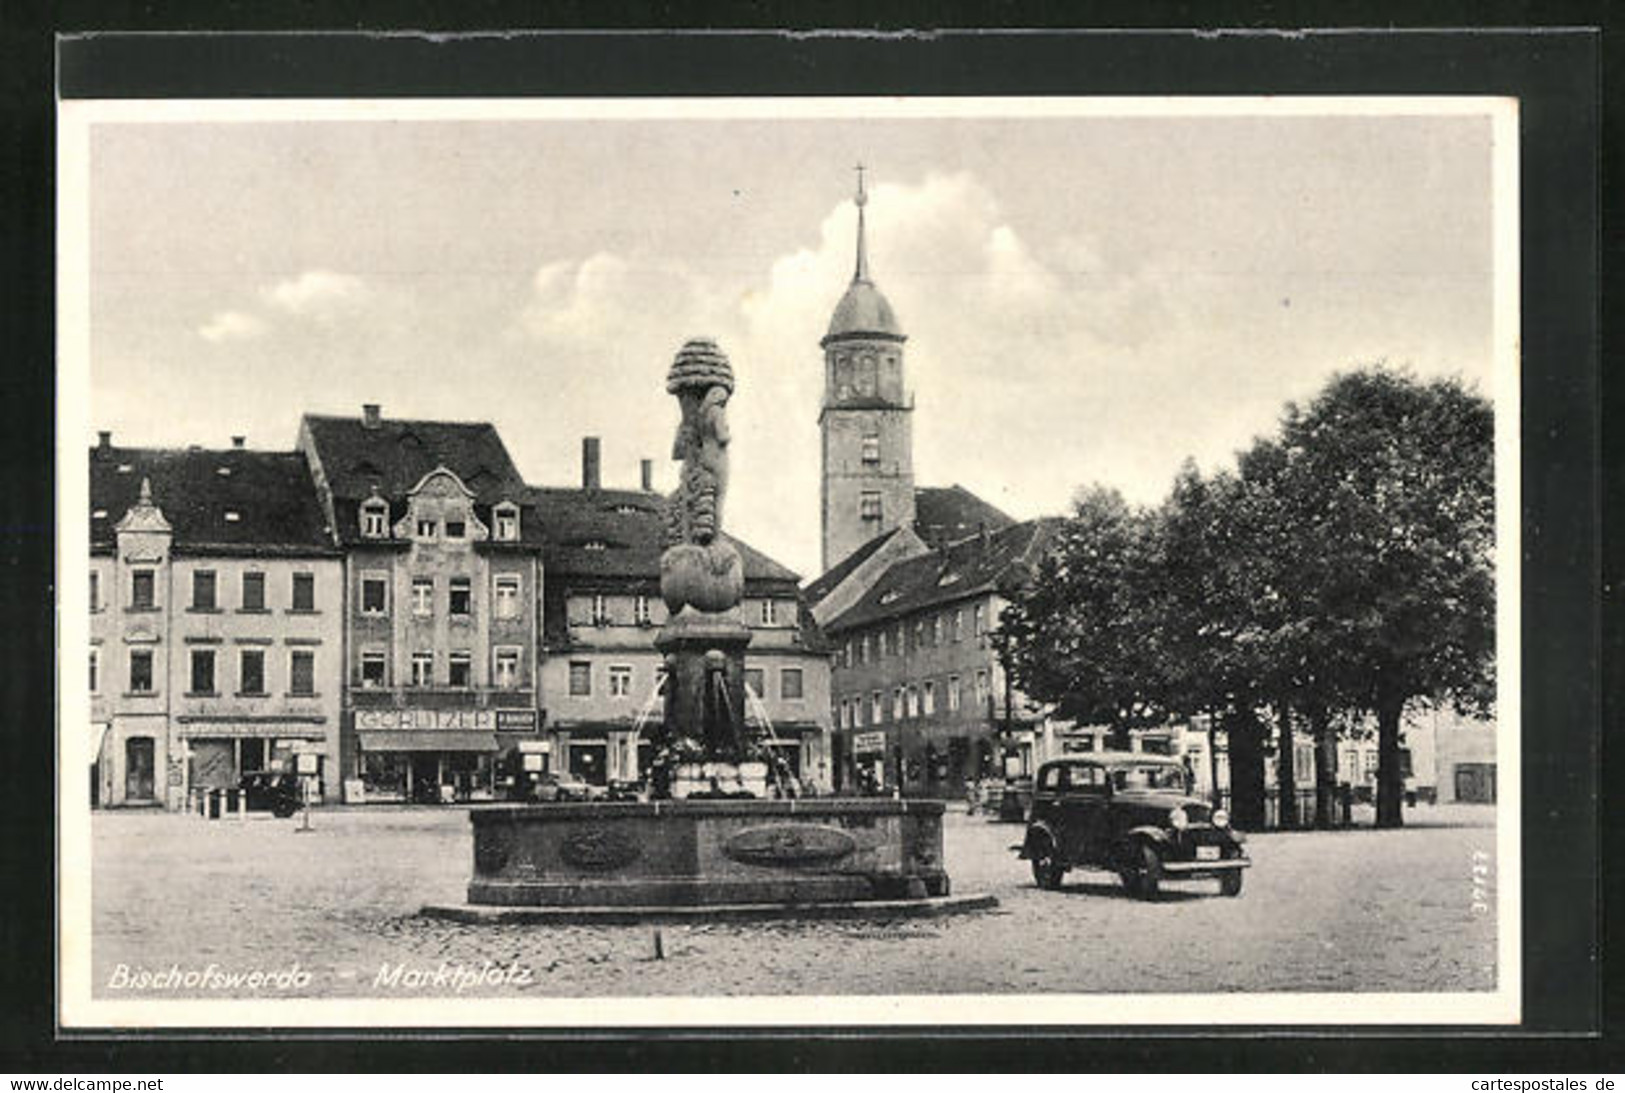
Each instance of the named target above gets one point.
<point>271,791</point>
<point>1133,815</point>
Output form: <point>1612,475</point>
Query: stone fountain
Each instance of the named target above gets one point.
<point>709,842</point>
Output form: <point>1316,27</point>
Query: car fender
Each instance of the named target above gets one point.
<point>1038,827</point>
<point>1128,849</point>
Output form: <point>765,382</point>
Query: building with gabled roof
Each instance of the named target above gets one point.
<point>216,596</point>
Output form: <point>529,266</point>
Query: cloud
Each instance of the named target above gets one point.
<point>232,326</point>
<point>315,292</point>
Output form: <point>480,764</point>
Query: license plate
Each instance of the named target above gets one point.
<point>1207,853</point>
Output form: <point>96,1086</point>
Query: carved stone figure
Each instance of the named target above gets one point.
<point>700,567</point>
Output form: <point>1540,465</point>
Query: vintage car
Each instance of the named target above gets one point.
<point>1133,815</point>
<point>276,792</point>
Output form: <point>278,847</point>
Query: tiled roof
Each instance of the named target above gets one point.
<point>393,456</point>
<point>831,580</point>
<point>271,493</point>
<point>968,567</point>
<point>944,514</point>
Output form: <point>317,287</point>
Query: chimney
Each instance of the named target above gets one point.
<point>238,442</point>
<point>647,469</point>
<point>370,415</point>
<point>590,463</point>
<point>104,439</point>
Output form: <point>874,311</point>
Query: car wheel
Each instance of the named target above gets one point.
<point>283,810</point>
<point>1149,881</point>
<point>1047,868</point>
<point>1230,883</point>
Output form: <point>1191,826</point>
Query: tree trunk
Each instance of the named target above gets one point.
<point>1286,774</point>
<point>1325,769</point>
<point>1390,784</point>
<point>1246,770</point>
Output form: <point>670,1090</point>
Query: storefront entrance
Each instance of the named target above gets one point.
<point>590,763</point>
<point>138,769</point>
<point>428,767</point>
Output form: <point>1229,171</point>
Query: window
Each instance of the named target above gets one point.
<point>936,629</point>
<point>507,597</point>
<point>202,672</point>
<point>95,591</point>
<point>141,671</point>
<point>460,669</point>
<point>869,505</point>
<point>846,654</point>
<point>251,674</point>
<point>871,449</point>
<point>982,692</point>
<point>374,596</point>
<point>253,592</point>
<point>959,623</point>
<point>426,528</point>
<point>756,682</point>
<point>304,592</point>
<point>928,698</point>
<point>456,529</point>
<point>620,680</point>
<point>507,521</point>
<point>902,639</point>
<point>423,669</point>
<point>640,610</point>
<point>877,708</point>
<point>863,650</point>
<point>911,703</point>
<point>422,596</point>
<point>203,598</point>
<point>790,683</point>
<point>980,623</point>
<point>143,590</point>
<point>373,670</point>
<point>919,633</point>
<point>505,668</point>
<point>770,613</point>
<point>374,518</point>
<point>953,694</point>
<point>302,672</point>
<point>461,603</point>
<point>857,712</point>
<point>580,677</point>
<point>600,610</point>
<point>897,704</point>
<point>95,670</point>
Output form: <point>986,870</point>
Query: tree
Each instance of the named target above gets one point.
<point>1386,484</point>
<point>1081,634</point>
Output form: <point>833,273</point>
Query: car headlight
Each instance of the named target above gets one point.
<point>1221,818</point>
<point>1178,819</point>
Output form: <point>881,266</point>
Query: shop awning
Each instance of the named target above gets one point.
<point>426,740</point>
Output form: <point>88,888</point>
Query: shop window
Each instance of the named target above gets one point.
<point>202,672</point>
<point>953,694</point>
<point>507,597</point>
<point>928,698</point>
<point>374,669</point>
<point>640,610</point>
<point>620,680</point>
<point>253,592</point>
<point>95,671</point>
<point>869,505</point>
<point>423,669</point>
<point>755,682</point>
<point>143,590</point>
<point>507,523</point>
<point>790,683</point>
<point>304,591</point>
<point>580,678</point>
<point>461,602</point>
<point>251,674</point>
<point>95,591</point>
<point>141,671</point>
<point>302,673</point>
<point>203,598</point>
<point>423,596</point>
<point>374,595</point>
<point>460,669</point>
<point>374,519</point>
<point>456,529</point>
<point>505,667</point>
<point>871,449</point>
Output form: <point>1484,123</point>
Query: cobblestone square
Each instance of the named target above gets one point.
<point>1357,910</point>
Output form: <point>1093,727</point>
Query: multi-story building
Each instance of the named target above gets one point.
<point>601,673</point>
<point>443,579</point>
<point>216,596</point>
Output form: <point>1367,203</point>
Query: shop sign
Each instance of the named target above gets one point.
<point>516,720</point>
<point>475,720</point>
<point>869,743</point>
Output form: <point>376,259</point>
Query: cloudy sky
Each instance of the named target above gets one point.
<point>1088,299</point>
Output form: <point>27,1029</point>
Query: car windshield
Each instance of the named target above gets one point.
<point>1149,777</point>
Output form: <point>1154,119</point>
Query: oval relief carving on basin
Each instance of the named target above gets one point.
<point>598,848</point>
<point>789,844</point>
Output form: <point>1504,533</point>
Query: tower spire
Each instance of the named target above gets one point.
<point>861,273</point>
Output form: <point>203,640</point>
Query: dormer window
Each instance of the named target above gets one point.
<point>947,579</point>
<point>507,523</point>
<point>232,516</point>
<point>125,468</point>
<point>426,528</point>
<point>595,544</point>
<point>889,597</point>
<point>98,514</point>
<point>223,472</point>
<point>374,519</point>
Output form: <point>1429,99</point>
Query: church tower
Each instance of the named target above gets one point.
<point>866,420</point>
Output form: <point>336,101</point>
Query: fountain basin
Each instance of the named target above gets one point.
<point>700,853</point>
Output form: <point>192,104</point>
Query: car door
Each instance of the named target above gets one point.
<point>1084,811</point>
